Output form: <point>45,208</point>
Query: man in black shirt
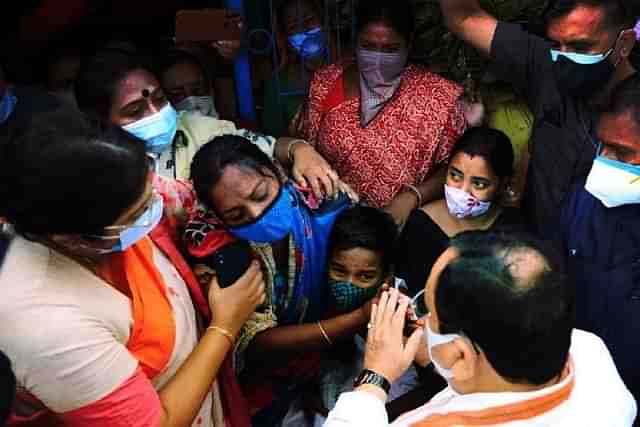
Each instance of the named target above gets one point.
<point>565,78</point>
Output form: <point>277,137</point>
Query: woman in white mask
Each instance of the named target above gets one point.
<point>478,176</point>
<point>186,80</point>
<point>385,124</point>
<point>119,87</point>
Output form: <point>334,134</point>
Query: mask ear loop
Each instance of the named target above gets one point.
<point>413,303</point>
<point>615,45</point>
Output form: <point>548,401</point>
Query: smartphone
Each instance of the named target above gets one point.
<point>231,262</point>
<point>198,25</point>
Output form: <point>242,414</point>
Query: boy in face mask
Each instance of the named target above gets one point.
<point>599,233</point>
<point>500,331</point>
<point>565,78</point>
<point>361,248</point>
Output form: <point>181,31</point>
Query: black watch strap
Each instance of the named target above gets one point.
<point>369,377</point>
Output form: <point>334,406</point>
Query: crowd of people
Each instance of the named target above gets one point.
<point>356,261</point>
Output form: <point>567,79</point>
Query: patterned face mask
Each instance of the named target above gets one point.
<point>464,205</point>
<point>345,296</point>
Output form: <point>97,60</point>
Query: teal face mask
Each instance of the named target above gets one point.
<point>345,296</point>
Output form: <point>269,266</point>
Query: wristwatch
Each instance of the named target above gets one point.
<point>369,377</point>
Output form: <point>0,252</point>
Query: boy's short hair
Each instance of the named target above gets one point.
<point>365,227</point>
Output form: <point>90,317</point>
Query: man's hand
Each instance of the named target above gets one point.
<point>387,354</point>
<point>470,22</point>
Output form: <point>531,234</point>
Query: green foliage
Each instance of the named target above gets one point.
<point>437,46</point>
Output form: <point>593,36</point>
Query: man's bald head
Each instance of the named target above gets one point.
<point>507,294</point>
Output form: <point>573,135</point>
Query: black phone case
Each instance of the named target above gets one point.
<point>231,262</point>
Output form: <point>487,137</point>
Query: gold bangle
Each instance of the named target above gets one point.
<point>228,335</point>
<point>415,190</point>
<point>324,334</point>
<point>290,149</point>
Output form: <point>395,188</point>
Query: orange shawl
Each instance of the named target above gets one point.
<point>501,414</point>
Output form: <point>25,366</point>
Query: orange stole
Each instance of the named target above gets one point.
<point>153,334</point>
<point>501,414</point>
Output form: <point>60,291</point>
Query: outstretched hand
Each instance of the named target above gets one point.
<point>388,353</point>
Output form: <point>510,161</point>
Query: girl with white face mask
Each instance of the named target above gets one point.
<point>478,176</point>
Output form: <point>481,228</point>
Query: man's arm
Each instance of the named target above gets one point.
<point>470,22</point>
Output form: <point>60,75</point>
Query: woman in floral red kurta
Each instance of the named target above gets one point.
<point>412,134</point>
<point>386,127</point>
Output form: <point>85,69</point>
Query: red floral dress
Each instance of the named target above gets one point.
<point>412,134</point>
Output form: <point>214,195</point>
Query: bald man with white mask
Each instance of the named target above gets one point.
<point>500,331</point>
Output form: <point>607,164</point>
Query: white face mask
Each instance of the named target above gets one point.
<point>614,183</point>
<point>463,205</point>
<point>434,339</point>
<point>203,104</point>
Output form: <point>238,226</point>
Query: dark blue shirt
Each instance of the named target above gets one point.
<point>602,246</point>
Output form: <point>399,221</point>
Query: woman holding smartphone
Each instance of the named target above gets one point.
<point>279,348</point>
<point>105,314</point>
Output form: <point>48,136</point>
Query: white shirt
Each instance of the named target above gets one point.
<point>65,330</point>
<point>599,397</point>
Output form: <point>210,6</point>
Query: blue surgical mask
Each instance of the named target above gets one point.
<point>157,130</point>
<point>580,58</point>
<point>135,232</point>
<point>614,183</point>
<point>309,44</point>
<point>275,222</point>
<point>7,104</point>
